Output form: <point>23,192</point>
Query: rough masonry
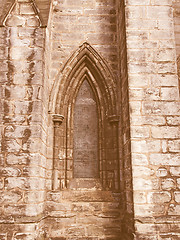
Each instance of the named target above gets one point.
<point>89,120</point>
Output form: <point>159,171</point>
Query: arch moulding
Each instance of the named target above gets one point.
<point>84,65</point>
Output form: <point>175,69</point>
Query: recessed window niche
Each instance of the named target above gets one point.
<point>85,150</point>
<point>85,147</point>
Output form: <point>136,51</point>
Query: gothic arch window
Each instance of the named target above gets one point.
<point>85,134</point>
<point>85,118</point>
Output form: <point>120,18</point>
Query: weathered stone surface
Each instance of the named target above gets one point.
<point>126,51</point>
<point>175,171</point>
<point>159,197</point>
<point>162,172</point>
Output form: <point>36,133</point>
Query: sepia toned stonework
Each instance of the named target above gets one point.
<point>89,120</point>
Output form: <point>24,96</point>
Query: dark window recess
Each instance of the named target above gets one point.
<point>85,152</point>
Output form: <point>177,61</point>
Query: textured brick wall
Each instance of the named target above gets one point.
<point>22,157</point>
<point>154,112</point>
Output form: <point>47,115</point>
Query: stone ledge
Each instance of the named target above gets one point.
<point>81,196</point>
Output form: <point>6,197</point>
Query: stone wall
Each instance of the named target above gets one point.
<point>154,113</point>
<point>23,152</point>
<point>88,18</point>
<point>133,46</point>
<point>81,29</point>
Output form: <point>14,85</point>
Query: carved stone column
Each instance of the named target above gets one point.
<point>56,178</point>
<point>113,162</point>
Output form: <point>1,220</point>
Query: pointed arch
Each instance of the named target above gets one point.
<point>85,65</point>
<point>84,62</point>
<point>5,8</point>
<point>41,9</point>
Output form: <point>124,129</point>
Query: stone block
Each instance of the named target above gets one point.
<point>150,120</point>
<point>159,197</point>
<point>33,22</point>
<point>140,132</point>
<point>139,159</point>
<point>15,210</point>
<point>138,2</point>
<point>161,172</point>
<point>165,132</point>
<point>143,24</point>
<point>143,67</point>
<point>175,120</point>
<point>88,196</point>
<point>139,197</point>
<point>16,182</point>
<point>150,44</point>
<point>23,107</point>
<point>177,196</point>
<point>151,94</point>
<point>34,209</point>
<point>75,231</point>
<point>168,184</point>
<point>163,2</point>
<point>167,44</point>
<point>165,23</point>
<point>143,184</point>
<point>164,55</point>
<point>24,236</point>
<point>136,55</point>
<point>174,146</point>
<point>36,183</point>
<point>165,159</point>
<point>159,12</point>
<point>9,171</point>
<point>166,67</point>
<point>34,196</point>
<point>175,171</point>
<point>146,146</point>
<point>161,34</point>
<point>13,146</point>
<point>161,108</point>
<point>174,210</point>
<point>15,21</point>
<point>138,80</point>
<point>147,210</point>
<point>163,80</point>
<point>136,11</point>
<point>10,197</point>
<point>18,158</point>
<point>16,92</point>
<point>141,35</point>
<point>135,107</point>
<point>169,94</point>
<point>141,171</point>
<point>26,9</point>
<point>35,171</point>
